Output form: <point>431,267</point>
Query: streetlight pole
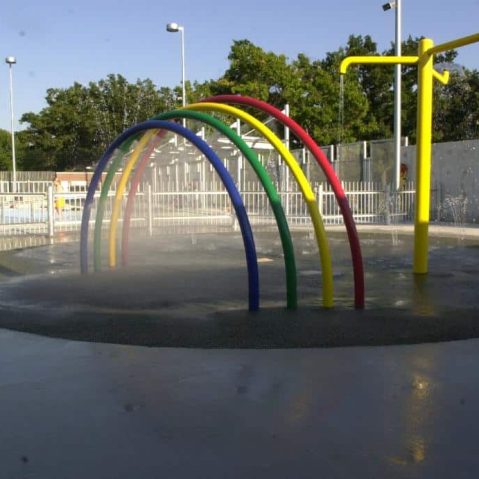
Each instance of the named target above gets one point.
<point>11,61</point>
<point>174,28</point>
<point>397,92</point>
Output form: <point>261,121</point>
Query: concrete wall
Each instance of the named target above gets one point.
<point>454,180</point>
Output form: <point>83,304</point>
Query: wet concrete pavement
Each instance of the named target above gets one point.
<point>77,409</point>
<point>86,409</point>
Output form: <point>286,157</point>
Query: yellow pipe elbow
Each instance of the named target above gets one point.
<point>441,77</point>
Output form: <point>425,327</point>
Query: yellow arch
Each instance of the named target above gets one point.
<point>115,214</point>
<point>302,181</point>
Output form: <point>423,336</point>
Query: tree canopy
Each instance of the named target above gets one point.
<point>80,121</point>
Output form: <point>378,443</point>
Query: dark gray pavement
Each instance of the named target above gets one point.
<point>76,409</point>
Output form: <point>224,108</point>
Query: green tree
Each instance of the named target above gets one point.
<point>315,104</point>
<point>81,121</point>
<point>5,150</point>
<point>456,108</point>
<point>263,75</point>
<point>61,136</point>
<point>310,88</point>
<point>115,105</point>
<point>254,72</point>
<point>409,76</point>
<point>376,84</point>
<point>359,122</point>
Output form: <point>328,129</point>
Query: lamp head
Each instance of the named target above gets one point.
<point>388,6</point>
<point>173,27</point>
<point>10,60</point>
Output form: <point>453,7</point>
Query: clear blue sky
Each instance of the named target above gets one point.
<point>57,42</point>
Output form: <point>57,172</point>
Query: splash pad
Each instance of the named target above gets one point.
<point>207,295</point>
<point>190,290</point>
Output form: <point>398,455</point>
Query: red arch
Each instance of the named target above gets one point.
<point>330,174</point>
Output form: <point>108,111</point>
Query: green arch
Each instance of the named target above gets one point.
<point>302,181</point>
<point>270,190</point>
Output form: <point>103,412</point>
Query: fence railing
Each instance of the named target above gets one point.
<point>25,186</point>
<point>49,213</point>
<point>23,213</point>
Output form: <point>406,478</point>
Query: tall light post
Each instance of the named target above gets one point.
<point>174,28</point>
<point>11,61</point>
<point>397,92</point>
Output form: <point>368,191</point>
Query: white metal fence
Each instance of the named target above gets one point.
<point>25,186</point>
<point>42,214</point>
<point>23,213</point>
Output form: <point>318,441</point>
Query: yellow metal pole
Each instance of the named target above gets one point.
<point>423,156</point>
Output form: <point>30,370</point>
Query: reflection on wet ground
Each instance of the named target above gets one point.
<point>104,410</point>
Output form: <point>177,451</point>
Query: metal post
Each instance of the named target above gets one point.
<point>175,28</point>
<point>12,118</point>
<point>239,160</point>
<point>305,163</point>
<point>177,179</point>
<point>286,178</point>
<point>320,198</point>
<point>154,178</point>
<point>387,203</point>
<point>150,210</point>
<point>397,99</point>
<point>286,129</point>
<point>183,74</point>
<point>50,212</point>
<point>367,157</point>
<point>239,166</point>
<point>286,144</point>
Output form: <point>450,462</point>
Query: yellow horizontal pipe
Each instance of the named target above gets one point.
<point>378,60</point>
<point>460,42</point>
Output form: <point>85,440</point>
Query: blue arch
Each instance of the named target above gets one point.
<point>236,200</point>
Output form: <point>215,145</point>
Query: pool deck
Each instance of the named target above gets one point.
<point>77,409</point>
<point>435,230</point>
